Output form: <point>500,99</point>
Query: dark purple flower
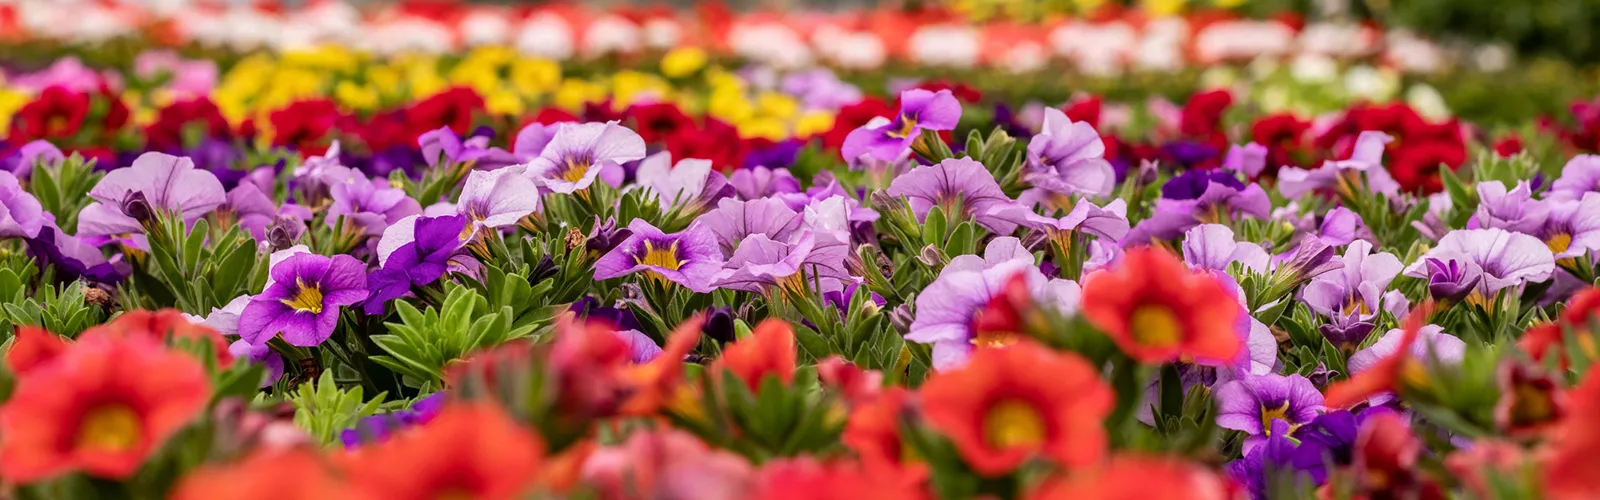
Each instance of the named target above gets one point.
<point>72,258</point>
<point>780,154</point>
<point>1254,403</point>
<point>433,247</point>
<point>1188,154</point>
<point>589,308</point>
<point>1193,183</point>
<point>377,428</point>
<point>303,301</point>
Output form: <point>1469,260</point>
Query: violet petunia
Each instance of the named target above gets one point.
<point>1507,259</point>
<point>21,215</point>
<point>416,257</point>
<point>641,348</point>
<point>1452,278</point>
<point>1579,176</point>
<point>1109,222</point>
<point>532,139</point>
<point>579,151</point>
<point>1218,202</point>
<point>1249,159</point>
<point>225,320</point>
<point>442,145</point>
<point>39,152</point>
<point>1068,157</point>
<point>74,259</point>
<point>953,180</point>
<point>1212,247</point>
<point>1253,403</point>
<point>370,204</point>
<point>156,182</point>
<point>498,198</point>
<point>1572,228</point>
<point>733,220</point>
<point>811,260</point>
<point>689,185</point>
<point>946,311</point>
<point>762,182</point>
<point>1341,226</point>
<point>1357,288</point>
<point>259,354</point>
<point>889,140</point>
<point>1513,210</point>
<point>1366,159</point>
<point>302,304</point>
<point>689,258</point>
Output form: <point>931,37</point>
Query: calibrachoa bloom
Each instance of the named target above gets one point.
<point>577,153</point>
<point>951,309</point>
<point>1007,405</point>
<point>889,140</point>
<point>127,197</point>
<point>1506,259</point>
<point>689,258</point>
<point>948,182</point>
<point>433,247</point>
<point>1067,157</point>
<point>303,303</point>
<point>1157,311</point>
<point>101,407</point>
<point>1252,404</point>
<point>498,198</point>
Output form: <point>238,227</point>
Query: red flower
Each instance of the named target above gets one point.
<point>805,478</point>
<point>1544,340</point>
<point>101,407</point>
<point>857,385</point>
<point>166,134</point>
<point>715,141</point>
<point>32,348</point>
<point>304,125</point>
<point>601,112</point>
<point>1415,165</point>
<point>768,351</point>
<point>387,130</point>
<point>1284,137</point>
<point>264,475</point>
<point>1530,400</point>
<point>1508,146</point>
<point>1158,311</point>
<point>1202,117</point>
<point>452,108</point>
<point>1385,461</point>
<point>165,326</point>
<point>852,117</point>
<point>651,384</point>
<point>468,451</point>
<point>1572,469</point>
<point>1085,110</point>
<point>873,432</point>
<point>56,114</point>
<point>1007,405</point>
<point>549,115</point>
<point>656,122</point>
<point>1385,375</point>
<point>666,463</point>
<point>1136,477</point>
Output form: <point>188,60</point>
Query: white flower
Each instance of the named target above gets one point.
<point>546,35</point>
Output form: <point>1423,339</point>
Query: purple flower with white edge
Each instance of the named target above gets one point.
<point>369,204</point>
<point>1513,210</point>
<point>947,309</point>
<point>1068,157</point>
<point>39,152</point>
<point>1341,226</point>
<point>1366,159</point>
<point>498,198</point>
<point>1357,288</point>
<point>1572,228</point>
<point>21,216</point>
<point>689,258</point>
<point>1507,259</point>
<point>303,302</point>
<point>260,354</point>
<point>419,256</point>
<point>578,152</point>
<point>1212,247</point>
<point>641,348</point>
<point>950,181</point>
<point>1249,159</point>
<point>156,182</point>
<point>443,145</point>
<point>733,220</point>
<point>1580,175</point>
<point>689,185</point>
<point>889,140</point>
<point>761,263</point>
<point>1251,404</point>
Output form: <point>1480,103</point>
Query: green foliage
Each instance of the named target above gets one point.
<point>322,409</point>
<point>424,342</point>
<point>197,269</point>
<point>63,190</point>
<point>57,308</point>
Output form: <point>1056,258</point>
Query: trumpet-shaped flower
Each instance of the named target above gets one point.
<point>689,258</point>
<point>888,140</point>
<point>302,304</point>
<point>578,152</point>
<point>1068,157</point>
<point>155,182</point>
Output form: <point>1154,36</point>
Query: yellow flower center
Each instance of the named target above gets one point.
<point>666,258</point>
<point>307,298</point>
<point>1533,405</point>
<point>908,124</point>
<point>109,428</point>
<point>1155,326</point>
<point>1559,242</point>
<point>1270,414</point>
<point>574,171</point>
<point>1355,304</point>
<point>1013,424</point>
<point>994,339</point>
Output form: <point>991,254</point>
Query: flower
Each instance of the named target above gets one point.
<point>1253,403</point>
<point>472,449</point>
<point>666,463</point>
<point>259,354</point>
<point>689,258</point>
<point>873,432</point>
<point>261,476</point>
<point>22,161</point>
<point>1531,401</point>
<point>1067,157</point>
<point>1572,228</point>
<point>1007,405</point>
<point>57,113</point>
<point>73,259</point>
<point>579,151</point>
<point>769,350</point>
<point>1579,176</point>
<point>1432,343</point>
<point>443,144</point>
<point>1212,247</point>
<point>1220,198</point>
<point>760,263</point>
<point>1367,158</point>
<point>688,185</point>
<point>1157,311</point>
<point>302,304</point>
<point>369,204</point>
<point>378,428</point>
<point>422,255</point>
<point>1129,476</point>
<point>155,182</point>
<point>804,478</point>
<point>1382,371</point>
<point>1358,288</point>
<point>888,140</point>
<point>21,216</point>
<point>1507,259</point>
<point>498,198</point>
<point>1514,210</point>
<point>33,347</point>
<point>953,180</point>
<point>761,182</point>
<point>1249,159</point>
<point>102,407</point>
<point>954,313</point>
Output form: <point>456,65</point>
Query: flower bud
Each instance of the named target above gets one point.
<point>137,207</point>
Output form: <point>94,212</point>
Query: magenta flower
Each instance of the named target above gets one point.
<point>443,144</point>
<point>689,258</point>
<point>579,151</point>
<point>498,198</point>
<point>1068,157</point>
<point>947,310</point>
<point>1252,403</point>
<point>951,180</point>
<point>156,182</point>
<point>733,220</point>
<point>302,303</point>
<point>21,216</point>
<point>889,140</point>
<point>760,263</point>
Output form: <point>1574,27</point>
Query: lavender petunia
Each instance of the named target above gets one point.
<point>733,220</point>
<point>1109,222</point>
<point>369,204</point>
<point>498,198</point>
<point>947,308</point>
<point>1366,159</point>
<point>689,185</point>
<point>155,182</point>
<point>225,320</point>
<point>1572,228</point>
<point>952,180</point>
<point>39,152</point>
<point>532,139</point>
<point>303,302</point>
<point>689,258</point>
<point>760,263</point>
<point>21,216</point>
<point>1249,159</point>
<point>888,140</point>
<point>259,354</point>
<point>1212,247</point>
<point>422,255</point>
<point>1253,403</point>
<point>579,151</point>
<point>1219,202</point>
<point>1068,157</point>
<point>1341,226</point>
<point>641,348</point>
<point>1579,176</point>
<point>762,182</point>
<point>1513,210</point>
<point>1507,259</point>
<point>442,144</point>
<point>1357,288</point>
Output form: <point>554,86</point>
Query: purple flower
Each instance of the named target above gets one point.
<point>1452,278</point>
<point>641,349</point>
<point>1507,259</point>
<point>1357,288</point>
<point>733,220</point>
<point>531,140</point>
<point>1342,226</point>
<point>780,154</point>
<point>1193,184</point>
<point>259,354</point>
<point>33,153</point>
<point>690,184</point>
<point>578,152</point>
<point>253,208</point>
<point>760,263</point>
<point>443,144</point>
<point>761,182</point>
<point>1367,158</point>
<point>947,309</point>
<point>1580,175</point>
<point>368,203</point>
<point>21,216</point>
<point>377,428</point>
<point>1219,202</point>
<point>1212,247</point>
<point>1189,154</point>
<point>1068,157</point>
<point>952,180</point>
<point>1251,404</point>
<point>73,259</point>
<point>302,304</point>
<point>689,258</point>
<point>1249,159</point>
<point>820,88</point>
<point>1514,210</point>
<point>498,198</point>
<point>1432,343</point>
<point>1572,227</point>
<point>420,256</point>
<point>589,309</point>
<point>888,140</point>
<point>1109,222</point>
<point>155,181</point>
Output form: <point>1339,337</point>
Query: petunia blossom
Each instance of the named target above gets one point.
<point>302,304</point>
<point>21,215</point>
<point>689,258</point>
<point>1366,159</point>
<point>1068,157</point>
<point>760,263</point>
<point>1253,403</point>
<point>1357,288</point>
<point>1513,210</point>
<point>369,204</point>
<point>733,220</point>
<point>888,140</point>
<point>578,152</point>
<point>950,181</point>
<point>1507,259</point>
<point>947,309</point>
<point>498,198</point>
<point>417,252</point>
<point>156,182</point>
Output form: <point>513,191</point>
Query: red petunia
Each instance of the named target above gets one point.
<point>1572,469</point>
<point>265,475</point>
<point>550,115</point>
<point>1157,310</point>
<point>101,407</point>
<point>468,451</point>
<point>658,121</point>
<point>770,350</point>
<point>1008,405</point>
<point>452,108</point>
<point>1201,118</point>
<point>873,432</point>
<point>304,125</point>
<point>167,132</point>
<point>1508,146</point>
<point>1085,110</point>
<point>1284,137</point>
<point>33,347</point>
<point>713,140</point>
<point>806,478</point>
<point>56,114</point>
<point>1137,477</point>
<point>166,325</point>
<point>1415,165</point>
<point>652,383</point>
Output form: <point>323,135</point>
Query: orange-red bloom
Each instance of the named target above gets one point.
<point>265,475</point>
<point>873,431</point>
<point>666,464</point>
<point>165,325</point>
<point>807,479</point>
<point>651,384</point>
<point>768,351</point>
<point>469,451</point>
<point>102,407</point>
<point>33,347</point>
<point>1531,401</point>
<point>1158,311</point>
<point>1007,405</point>
<point>1385,375</point>
<point>855,384</point>
<point>1137,477</point>
<point>1573,467</point>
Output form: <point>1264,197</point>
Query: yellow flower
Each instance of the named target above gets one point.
<point>535,77</point>
<point>777,105</point>
<point>356,96</point>
<point>574,93</point>
<point>627,86</point>
<point>1228,4</point>
<point>729,106</point>
<point>10,102</point>
<point>330,57</point>
<point>482,77</point>
<point>766,128</point>
<point>424,81</point>
<point>813,123</point>
<point>683,61</point>
<point>504,102</point>
<point>1163,8</point>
